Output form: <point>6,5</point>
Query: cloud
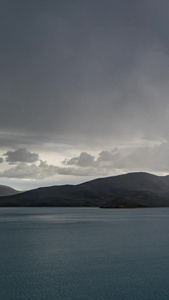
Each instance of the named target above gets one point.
<point>21,155</point>
<point>150,158</point>
<point>154,158</point>
<point>33,171</point>
<point>107,163</point>
<point>101,70</point>
<point>1,160</point>
<point>84,160</point>
<point>108,155</point>
<point>13,140</point>
<point>99,79</point>
<point>43,170</point>
<point>83,171</point>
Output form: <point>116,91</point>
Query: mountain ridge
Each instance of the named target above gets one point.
<point>7,190</point>
<point>137,189</point>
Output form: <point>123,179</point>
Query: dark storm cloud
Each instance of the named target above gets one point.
<point>82,70</point>
<point>21,155</point>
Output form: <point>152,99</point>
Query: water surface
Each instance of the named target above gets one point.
<point>84,253</point>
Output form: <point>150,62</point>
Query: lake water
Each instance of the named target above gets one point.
<point>84,253</point>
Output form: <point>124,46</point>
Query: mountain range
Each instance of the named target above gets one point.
<point>123,191</point>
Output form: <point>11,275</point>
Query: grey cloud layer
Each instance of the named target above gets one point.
<point>77,71</point>
<point>88,75</point>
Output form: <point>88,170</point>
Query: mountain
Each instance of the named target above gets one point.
<point>7,191</point>
<point>128,190</point>
<point>138,199</point>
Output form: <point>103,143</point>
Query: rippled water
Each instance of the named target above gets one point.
<point>84,253</point>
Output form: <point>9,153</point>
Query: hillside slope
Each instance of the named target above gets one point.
<point>150,189</point>
<point>7,191</point>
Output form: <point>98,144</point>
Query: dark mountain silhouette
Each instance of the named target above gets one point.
<point>138,199</point>
<point>129,190</point>
<point>7,191</point>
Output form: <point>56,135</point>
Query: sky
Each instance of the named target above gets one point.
<point>84,90</point>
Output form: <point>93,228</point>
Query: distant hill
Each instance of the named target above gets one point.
<point>7,191</point>
<point>128,190</point>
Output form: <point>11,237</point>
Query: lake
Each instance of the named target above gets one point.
<point>84,253</point>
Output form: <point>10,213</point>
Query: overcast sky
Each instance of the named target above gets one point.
<point>84,90</point>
